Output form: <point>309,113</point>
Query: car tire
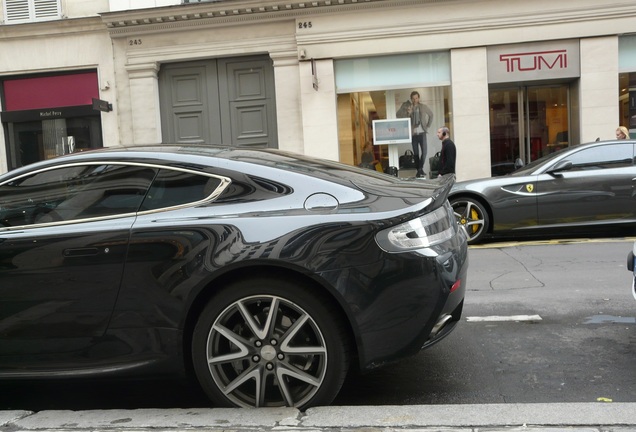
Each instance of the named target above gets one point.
<point>246,356</point>
<point>472,217</point>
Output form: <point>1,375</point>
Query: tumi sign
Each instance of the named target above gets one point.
<point>532,62</point>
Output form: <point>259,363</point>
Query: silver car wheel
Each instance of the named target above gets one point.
<point>266,351</point>
<point>472,217</point>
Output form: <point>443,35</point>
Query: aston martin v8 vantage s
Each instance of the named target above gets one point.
<point>580,188</point>
<point>265,275</point>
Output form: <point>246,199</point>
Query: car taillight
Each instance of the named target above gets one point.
<point>427,230</point>
<point>456,285</point>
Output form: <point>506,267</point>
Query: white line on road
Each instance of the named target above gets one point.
<point>525,318</point>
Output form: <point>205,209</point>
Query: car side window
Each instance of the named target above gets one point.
<point>74,192</point>
<point>602,157</point>
<point>173,188</point>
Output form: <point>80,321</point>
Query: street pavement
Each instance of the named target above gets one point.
<point>559,417</point>
<point>602,416</point>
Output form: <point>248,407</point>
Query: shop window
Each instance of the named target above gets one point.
<point>627,102</point>
<point>527,123</point>
<point>19,11</point>
<point>32,141</point>
<point>376,88</point>
<point>358,110</point>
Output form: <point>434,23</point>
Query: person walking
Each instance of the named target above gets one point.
<point>448,155</point>
<point>421,119</point>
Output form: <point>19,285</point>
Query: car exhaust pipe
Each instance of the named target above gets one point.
<point>440,324</point>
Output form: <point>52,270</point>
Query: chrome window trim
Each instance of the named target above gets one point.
<point>224,183</point>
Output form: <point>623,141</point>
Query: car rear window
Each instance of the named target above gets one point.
<point>174,188</point>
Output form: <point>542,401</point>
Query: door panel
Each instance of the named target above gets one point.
<point>248,92</point>
<point>59,286</point>
<point>226,101</point>
<point>589,193</point>
<point>190,103</point>
<point>526,123</point>
<point>63,243</point>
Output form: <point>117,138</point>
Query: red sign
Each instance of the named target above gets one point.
<point>532,61</point>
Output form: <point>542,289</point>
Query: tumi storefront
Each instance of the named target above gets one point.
<point>531,90</point>
<point>49,115</point>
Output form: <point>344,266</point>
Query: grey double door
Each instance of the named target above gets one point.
<point>222,101</point>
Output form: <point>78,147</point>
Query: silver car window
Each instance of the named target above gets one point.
<point>603,157</point>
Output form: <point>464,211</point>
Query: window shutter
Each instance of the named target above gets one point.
<point>17,11</point>
<point>46,9</point>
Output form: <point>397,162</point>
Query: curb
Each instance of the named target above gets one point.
<point>590,416</point>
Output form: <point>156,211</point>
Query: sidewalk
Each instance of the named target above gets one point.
<point>576,417</point>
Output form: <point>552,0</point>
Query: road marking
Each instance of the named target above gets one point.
<point>513,243</point>
<point>603,319</point>
<point>497,318</point>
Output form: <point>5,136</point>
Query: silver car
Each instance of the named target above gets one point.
<point>581,188</point>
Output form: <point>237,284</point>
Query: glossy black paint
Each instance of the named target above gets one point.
<point>122,294</point>
<point>550,195</point>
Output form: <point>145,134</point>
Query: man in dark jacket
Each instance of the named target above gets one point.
<point>448,155</point>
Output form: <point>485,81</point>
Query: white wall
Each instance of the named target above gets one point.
<point>470,112</point>
<point>320,120</point>
<point>598,88</point>
<point>121,5</point>
<point>288,101</point>
<point>83,8</point>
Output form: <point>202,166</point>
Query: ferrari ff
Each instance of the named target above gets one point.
<point>265,275</point>
<point>580,188</point>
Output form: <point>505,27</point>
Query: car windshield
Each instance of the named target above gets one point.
<point>527,169</point>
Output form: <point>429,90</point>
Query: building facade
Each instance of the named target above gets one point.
<point>510,79</point>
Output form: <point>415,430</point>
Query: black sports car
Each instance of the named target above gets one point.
<point>580,188</point>
<point>265,274</point>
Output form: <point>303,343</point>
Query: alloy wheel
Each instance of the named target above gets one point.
<point>266,351</point>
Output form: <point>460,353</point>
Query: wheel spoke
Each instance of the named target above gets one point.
<point>238,341</point>
<point>259,332</point>
<point>468,210</point>
<point>249,374</point>
<point>289,336</point>
<point>289,371</point>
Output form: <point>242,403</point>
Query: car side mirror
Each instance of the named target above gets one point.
<point>518,163</point>
<point>561,166</point>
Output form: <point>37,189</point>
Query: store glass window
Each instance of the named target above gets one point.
<point>32,141</point>
<point>49,115</point>
<point>627,83</point>
<point>527,122</point>
<point>381,88</point>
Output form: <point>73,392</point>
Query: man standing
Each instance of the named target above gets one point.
<point>448,155</point>
<point>421,119</point>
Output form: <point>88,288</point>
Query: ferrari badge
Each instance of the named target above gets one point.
<point>529,187</point>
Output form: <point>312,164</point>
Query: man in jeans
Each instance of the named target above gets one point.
<point>421,119</point>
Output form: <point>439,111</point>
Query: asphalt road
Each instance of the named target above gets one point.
<point>571,338</point>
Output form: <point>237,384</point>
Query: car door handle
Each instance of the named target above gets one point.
<point>79,252</point>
